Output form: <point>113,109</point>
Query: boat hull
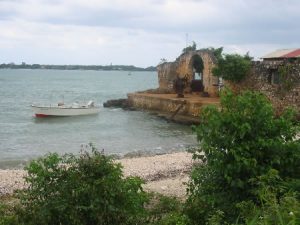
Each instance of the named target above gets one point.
<point>63,111</point>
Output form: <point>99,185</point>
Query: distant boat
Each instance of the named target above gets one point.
<point>129,73</point>
<point>61,109</point>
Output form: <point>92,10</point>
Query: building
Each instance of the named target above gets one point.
<point>278,77</point>
<point>283,54</point>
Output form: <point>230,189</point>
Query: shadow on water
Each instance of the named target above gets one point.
<point>65,119</point>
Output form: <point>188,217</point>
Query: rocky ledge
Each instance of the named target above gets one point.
<point>117,103</point>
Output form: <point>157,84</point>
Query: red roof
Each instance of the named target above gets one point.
<point>283,53</point>
<point>293,54</point>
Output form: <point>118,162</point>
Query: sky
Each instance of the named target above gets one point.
<point>141,32</point>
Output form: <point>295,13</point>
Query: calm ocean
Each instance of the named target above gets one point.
<point>24,137</point>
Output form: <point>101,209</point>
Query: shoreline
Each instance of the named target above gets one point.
<point>164,174</point>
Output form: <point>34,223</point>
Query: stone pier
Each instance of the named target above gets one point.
<point>185,110</point>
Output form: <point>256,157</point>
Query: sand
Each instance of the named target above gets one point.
<point>165,174</point>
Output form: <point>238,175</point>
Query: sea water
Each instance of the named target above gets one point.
<point>24,137</point>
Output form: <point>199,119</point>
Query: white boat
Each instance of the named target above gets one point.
<point>61,109</point>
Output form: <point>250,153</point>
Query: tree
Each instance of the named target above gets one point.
<point>162,61</point>
<point>232,67</point>
<point>217,52</point>
<point>190,48</point>
<point>242,141</point>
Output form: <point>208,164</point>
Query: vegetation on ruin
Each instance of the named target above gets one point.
<point>190,48</point>
<point>288,79</point>
<point>217,52</point>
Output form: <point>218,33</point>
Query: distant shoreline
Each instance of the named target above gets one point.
<point>128,68</point>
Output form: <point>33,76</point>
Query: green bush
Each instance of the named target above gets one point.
<point>232,67</point>
<point>7,213</point>
<point>272,210</point>
<point>164,210</point>
<point>85,189</point>
<point>242,141</point>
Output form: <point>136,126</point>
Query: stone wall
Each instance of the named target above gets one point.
<point>260,79</point>
<point>166,105</point>
<point>183,67</point>
<point>167,73</point>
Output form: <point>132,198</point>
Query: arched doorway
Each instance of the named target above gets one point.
<point>197,68</point>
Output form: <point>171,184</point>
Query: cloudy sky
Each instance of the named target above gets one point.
<point>141,32</point>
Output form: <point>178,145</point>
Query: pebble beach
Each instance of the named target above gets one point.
<point>165,174</point>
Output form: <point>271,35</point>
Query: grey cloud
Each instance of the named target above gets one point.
<point>269,14</point>
<point>235,22</point>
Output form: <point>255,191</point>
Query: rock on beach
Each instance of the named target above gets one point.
<point>165,174</point>
<point>11,180</point>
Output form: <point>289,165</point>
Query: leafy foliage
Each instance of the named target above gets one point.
<point>249,175</point>
<point>242,141</point>
<point>7,213</point>
<point>288,78</point>
<point>162,61</point>
<point>232,67</point>
<point>272,209</point>
<point>217,52</point>
<point>164,210</point>
<point>88,189</point>
<point>190,48</point>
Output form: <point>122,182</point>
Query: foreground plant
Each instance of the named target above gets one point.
<point>242,141</point>
<point>164,210</point>
<point>272,209</point>
<point>85,189</point>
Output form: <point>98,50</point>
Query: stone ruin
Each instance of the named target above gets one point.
<point>196,67</point>
<point>264,77</point>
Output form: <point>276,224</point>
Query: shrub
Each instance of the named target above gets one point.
<point>242,141</point>
<point>164,210</point>
<point>190,48</point>
<point>273,210</point>
<point>85,189</point>
<point>233,67</point>
<point>7,215</point>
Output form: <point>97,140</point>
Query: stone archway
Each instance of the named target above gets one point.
<point>185,66</point>
<point>197,66</point>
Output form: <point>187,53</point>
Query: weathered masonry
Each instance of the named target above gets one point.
<point>196,67</point>
<point>278,77</point>
<point>201,87</point>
